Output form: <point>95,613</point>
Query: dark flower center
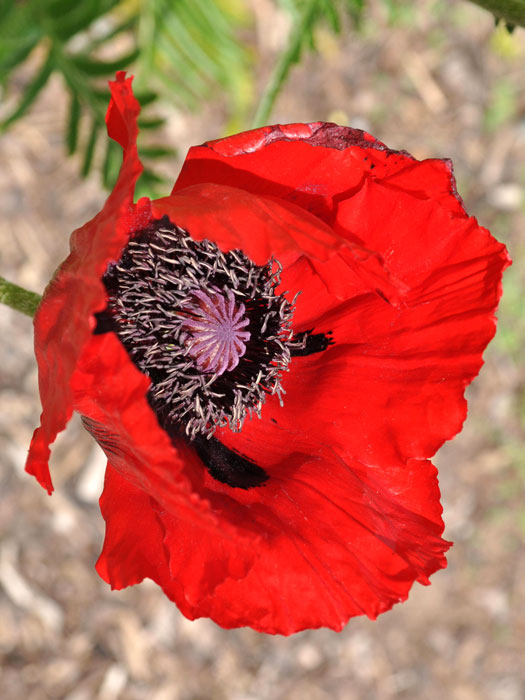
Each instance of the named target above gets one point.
<point>207,327</point>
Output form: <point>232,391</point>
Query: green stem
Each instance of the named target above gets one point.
<point>510,11</point>
<point>288,58</point>
<point>18,298</point>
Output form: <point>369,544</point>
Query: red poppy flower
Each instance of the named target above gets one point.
<point>269,357</point>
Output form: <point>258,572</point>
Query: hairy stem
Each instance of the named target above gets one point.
<point>18,298</point>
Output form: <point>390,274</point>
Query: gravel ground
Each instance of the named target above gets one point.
<point>440,82</point>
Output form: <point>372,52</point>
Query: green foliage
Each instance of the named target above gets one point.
<point>512,12</point>
<point>186,46</point>
<point>307,15</point>
<point>189,46</point>
<point>50,29</point>
<point>178,48</point>
<point>182,49</point>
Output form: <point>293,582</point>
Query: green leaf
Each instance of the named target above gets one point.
<point>510,11</point>
<point>111,165</point>
<point>157,151</point>
<point>151,184</point>
<point>13,52</point>
<point>32,91</point>
<point>72,123</point>
<point>90,148</point>
<point>188,94</point>
<point>306,15</point>
<point>189,46</point>
<point>90,97</point>
<point>331,14</point>
<point>151,123</point>
<point>19,34</point>
<point>66,18</point>
<point>145,97</point>
<point>93,67</point>
<point>125,26</point>
<point>102,97</point>
<point>6,7</point>
<point>189,54</point>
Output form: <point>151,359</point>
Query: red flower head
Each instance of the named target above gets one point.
<point>269,357</point>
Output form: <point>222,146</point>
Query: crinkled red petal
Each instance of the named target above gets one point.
<point>350,516</point>
<point>316,166</point>
<point>341,541</point>
<point>392,511</point>
<point>332,537</point>
<point>135,547</point>
<point>391,386</point>
<point>64,320</point>
<point>109,392</point>
<point>214,535</point>
<point>264,227</point>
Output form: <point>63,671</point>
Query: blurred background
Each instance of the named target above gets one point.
<point>437,79</point>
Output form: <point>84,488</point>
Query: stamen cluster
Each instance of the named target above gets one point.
<point>207,327</point>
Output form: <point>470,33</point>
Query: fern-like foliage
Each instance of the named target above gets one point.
<point>189,46</point>
<point>184,45</point>
<point>60,31</point>
<point>178,48</point>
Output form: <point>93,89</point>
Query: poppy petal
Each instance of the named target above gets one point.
<point>316,166</point>
<point>64,322</point>
<point>333,540</point>
<point>390,387</point>
<point>340,543</point>
<point>133,547</point>
<point>399,284</point>
<point>127,429</point>
<point>139,544</point>
<point>228,216</point>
